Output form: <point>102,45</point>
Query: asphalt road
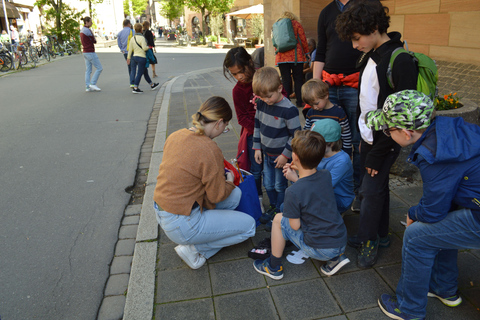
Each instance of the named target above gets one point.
<point>66,156</point>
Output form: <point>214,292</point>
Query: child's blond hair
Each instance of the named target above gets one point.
<point>266,80</point>
<point>314,89</point>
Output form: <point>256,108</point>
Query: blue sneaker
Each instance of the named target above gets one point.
<point>389,306</point>
<point>332,266</point>
<point>451,301</point>
<point>268,215</point>
<point>263,267</point>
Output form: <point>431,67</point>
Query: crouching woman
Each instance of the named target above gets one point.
<point>195,196</point>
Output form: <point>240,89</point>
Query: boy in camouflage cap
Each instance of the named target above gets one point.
<point>447,218</point>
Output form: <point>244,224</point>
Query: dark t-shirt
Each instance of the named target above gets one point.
<point>312,200</point>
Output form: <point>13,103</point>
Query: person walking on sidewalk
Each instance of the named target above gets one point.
<point>91,58</point>
<point>447,218</point>
<point>148,34</point>
<point>195,197</point>
<point>138,59</point>
<point>123,41</point>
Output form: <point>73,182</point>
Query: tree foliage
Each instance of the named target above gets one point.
<point>171,9</point>
<point>137,7</point>
<point>214,7</point>
<point>91,10</point>
<point>216,24</point>
<point>65,19</point>
<point>256,25</point>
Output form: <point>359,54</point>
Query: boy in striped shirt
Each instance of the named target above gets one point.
<point>276,121</point>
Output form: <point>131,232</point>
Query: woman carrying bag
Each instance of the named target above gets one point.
<point>148,34</point>
<point>195,196</point>
<point>138,59</point>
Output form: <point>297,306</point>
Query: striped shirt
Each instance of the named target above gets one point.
<point>338,114</point>
<point>274,127</point>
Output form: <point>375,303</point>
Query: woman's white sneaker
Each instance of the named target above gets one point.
<point>190,255</point>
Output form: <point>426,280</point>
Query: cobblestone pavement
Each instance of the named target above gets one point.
<point>227,287</point>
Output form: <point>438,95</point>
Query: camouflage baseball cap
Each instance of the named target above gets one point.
<point>407,109</point>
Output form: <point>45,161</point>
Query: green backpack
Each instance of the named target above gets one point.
<point>427,72</point>
<point>283,36</point>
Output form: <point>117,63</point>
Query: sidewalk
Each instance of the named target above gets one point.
<point>162,286</point>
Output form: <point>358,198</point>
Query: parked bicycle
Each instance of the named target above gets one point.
<point>6,60</point>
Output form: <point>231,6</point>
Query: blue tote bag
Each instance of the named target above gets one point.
<point>249,203</point>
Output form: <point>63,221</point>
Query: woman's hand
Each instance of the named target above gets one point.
<point>128,61</point>
<point>229,176</point>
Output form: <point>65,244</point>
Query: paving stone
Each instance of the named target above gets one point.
<point>234,276</point>
<point>304,300</point>
<point>168,258</point>
<point>436,310</point>
<point>336,318</point>
<point>128,232</point>
<point>125,247</point>
<point>391,274</point>
<point>121,264</point>
<point>392,254</point>
<point>131,220</point>
<point>117,284</point>
<point>112,308</point>
<point>396,216</point>
<point>357,290</point>
<point>468,266</point>
<point>163,237</point>
<point>295,272</point>
<point>133,210</point>
<point>369,314</point>
<point>183,284</point>
<point>255,304</point>
<point>472,295</point>
<point>396,202</point>
<point>189,310</point>
<point>411,195</point>
<point>237,251</point>
<point>476,252</point>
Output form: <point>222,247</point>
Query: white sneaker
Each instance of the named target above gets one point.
<point>94,88</point>
<point>190,255</point>
<point>87,89</point>
<point>297,257</point>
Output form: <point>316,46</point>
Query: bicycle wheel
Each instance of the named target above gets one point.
<point>51,52</point>
<point>5,62</point>
<point>45,53</point>
<point>18,60</point>
<point>33,56</point>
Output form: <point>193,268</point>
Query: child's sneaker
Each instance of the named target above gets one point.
<point>263,267</point>
<point>268,215</point>
<point>297,257</point>
<point>368,254</point>
<point>451,301</point>
<point>332,266</point>
<point>389,306</point>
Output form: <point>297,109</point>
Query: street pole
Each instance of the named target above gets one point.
<point>6,19</point>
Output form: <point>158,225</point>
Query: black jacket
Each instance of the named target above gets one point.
<point>404,73</point>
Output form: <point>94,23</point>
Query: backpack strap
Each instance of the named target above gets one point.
<point>395,53</point>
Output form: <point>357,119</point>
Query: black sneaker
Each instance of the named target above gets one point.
<point>268,215</point>
<point>355,205</point>
<point>154,86</point>
<point>137,90</point>
<point>368,254</point>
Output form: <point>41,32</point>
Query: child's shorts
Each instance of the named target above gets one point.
<point>296,236</point>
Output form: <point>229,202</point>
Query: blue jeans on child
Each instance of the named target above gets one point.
<point>138,69</point>
<point>210,230</point>
<point>274,182</point>
<point>296,236</point>
<point>91,58</point>
<point>255,168</point>
<point>347,97</point>
<point>429,259</point>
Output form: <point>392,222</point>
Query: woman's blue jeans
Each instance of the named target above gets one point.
<point>210,230</point>
<point>429,259</point>
<point>91,58</point>
<point>138,69</point>
<point>274,182</point>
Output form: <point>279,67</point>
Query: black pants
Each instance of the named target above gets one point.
<point>289,70</point>
<point>375,196</point>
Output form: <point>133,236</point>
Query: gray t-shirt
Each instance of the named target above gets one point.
<point>312,200</point>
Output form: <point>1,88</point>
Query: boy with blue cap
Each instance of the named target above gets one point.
<point>447,218</point>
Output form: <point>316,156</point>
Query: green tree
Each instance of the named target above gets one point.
<point>91,11</point>
<point>65,19</point>
<point>216,24</point>
<point>134,7</point>
<point>256,25</point>
<point>212,6</point>
<point>171,9</point>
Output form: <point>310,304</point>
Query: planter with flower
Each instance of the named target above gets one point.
<point>450,106</point>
